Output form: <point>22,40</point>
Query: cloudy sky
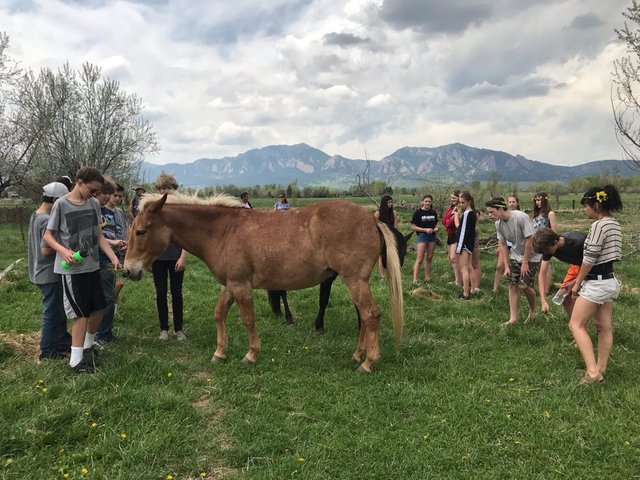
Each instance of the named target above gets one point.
<point>219,77</point>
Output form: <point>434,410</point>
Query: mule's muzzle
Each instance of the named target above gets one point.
<point>134,274</point>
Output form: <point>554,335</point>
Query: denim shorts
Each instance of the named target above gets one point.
<point>600,291</point>
<point>425,237</point>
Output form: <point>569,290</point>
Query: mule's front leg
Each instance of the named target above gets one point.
<point>225,300</point>
<point>244,298</point>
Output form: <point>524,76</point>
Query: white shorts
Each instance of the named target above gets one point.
<point>600,291</point>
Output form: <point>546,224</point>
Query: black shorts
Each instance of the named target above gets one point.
<point>83,294</point>
<point>451,240</point>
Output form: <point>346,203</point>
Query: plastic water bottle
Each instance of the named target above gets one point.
<point>560,295</point>
<point>78,256</point>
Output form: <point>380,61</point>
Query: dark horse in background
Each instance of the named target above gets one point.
<point>330,238</point>
<point>325,287</point>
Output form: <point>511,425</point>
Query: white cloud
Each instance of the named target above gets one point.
<point>218,78</point>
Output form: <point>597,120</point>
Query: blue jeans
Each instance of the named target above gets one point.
<point>54,338</point>
<point>105,330</point>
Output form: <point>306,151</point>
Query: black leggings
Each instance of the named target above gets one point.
<point>161,269</point>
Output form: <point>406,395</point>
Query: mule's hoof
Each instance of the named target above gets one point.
<point>217,359</point>
<point>320,330</point>
<point>361,371</point>
<point>246,361</point>
<point>289,324</point>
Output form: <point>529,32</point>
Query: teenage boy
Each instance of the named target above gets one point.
<point>107,273</point>
<point>54,339</point>
<point>121,233</point>
<point>567,248</point>
<point>75,219</point>
<point>522,267</point>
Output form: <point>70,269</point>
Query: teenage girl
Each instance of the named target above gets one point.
<point>543,216</point>
<point>425,224</point>
<point>448,220</point>
<point>596,286</point>
<point>465,240</point>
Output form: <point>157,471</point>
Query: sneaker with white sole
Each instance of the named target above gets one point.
<point>164,335</point>
<point>181,337</point>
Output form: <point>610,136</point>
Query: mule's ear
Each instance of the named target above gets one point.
<point>408,236</point>
<point>157,205</point>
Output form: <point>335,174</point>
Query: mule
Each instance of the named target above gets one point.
<point>247,249</point>
<point>325,288</point>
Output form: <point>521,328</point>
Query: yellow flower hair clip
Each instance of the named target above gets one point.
<point>601,196</point>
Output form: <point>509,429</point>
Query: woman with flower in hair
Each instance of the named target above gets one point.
<point>543,216</point>
<point>596,285</point>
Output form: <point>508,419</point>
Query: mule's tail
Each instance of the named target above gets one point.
<point>394,276</point>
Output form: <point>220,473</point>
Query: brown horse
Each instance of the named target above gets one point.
<point>247,248</point>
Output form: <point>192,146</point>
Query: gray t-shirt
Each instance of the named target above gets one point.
<point>516,230</point>
<point>40,266</point>
<point>78,228</point>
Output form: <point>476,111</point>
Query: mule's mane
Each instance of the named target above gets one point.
<point>219,199</point>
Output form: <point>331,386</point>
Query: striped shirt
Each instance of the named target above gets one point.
<point>604,242</point>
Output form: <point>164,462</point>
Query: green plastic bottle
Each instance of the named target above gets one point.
<point>78,256</point>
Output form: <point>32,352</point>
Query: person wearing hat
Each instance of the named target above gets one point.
<point>135,201</point>
<point>55,340</point>
<point>520,263</point>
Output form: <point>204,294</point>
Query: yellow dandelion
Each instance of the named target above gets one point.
<point>626,442</point>
<point>209,379</point>
<point>65,475</point>
<point>518,442</point>
<point>61,451</point>
<point>508,416</point>
<point>94,424</point>
<point>546,414</point>
<point>203,474</point>
<point>487,401</point>
<point>169,375</point>
<point>123,435</point>
<point>425,437</point>
<point>9,461</point>
<point>306,348</point>
<point>169,477</point>
<point>84,471</point>
<point>45,389</point>
<point>300,459</point>
<point>512,379</point>
<point>40,381</point>
<point>527,392</point>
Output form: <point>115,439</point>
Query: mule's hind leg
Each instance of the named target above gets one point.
<point>369,338</point>
<point>243,296</point>
<point>225,300</point>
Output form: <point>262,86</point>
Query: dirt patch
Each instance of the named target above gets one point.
<point>25,344</point>
<point>218,473</point>
<point>628,289</point>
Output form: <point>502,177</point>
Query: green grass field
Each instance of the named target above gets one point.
<point>460,399</point>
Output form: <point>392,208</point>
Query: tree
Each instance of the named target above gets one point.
<point>70,119</point>
<point>625,99</point>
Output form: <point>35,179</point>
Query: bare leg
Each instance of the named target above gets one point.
<point>430,247</point>
<point>420,249</point>
<point>605,334</point>
<point>381,267</point>
<point>464,260</point>
<point>453,259</point>
<point>530,295</point>
<point>583,310</point>
<point>514,299</point>
<point>497,277</point>
<point>476,273</point>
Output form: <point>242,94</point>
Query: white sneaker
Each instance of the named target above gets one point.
<point>181,337</point>
<point>164,335</point>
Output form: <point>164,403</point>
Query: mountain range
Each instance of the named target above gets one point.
<point>408,166</point>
